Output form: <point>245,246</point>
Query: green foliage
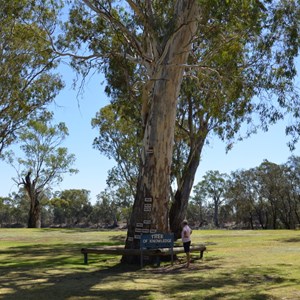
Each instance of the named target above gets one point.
<point>118,139</point>
<point>264,197</point>
<point>14,210</point>
<point>212,187</point>
<point>71,207</point>
<point>112,206</point>
<point>26,62</point>
<point>43,157</point>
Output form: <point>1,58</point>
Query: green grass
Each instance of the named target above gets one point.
<point>47,264</point>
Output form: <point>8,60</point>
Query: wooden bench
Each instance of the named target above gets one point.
<point>120,250</point>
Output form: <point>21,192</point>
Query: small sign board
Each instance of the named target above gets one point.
<point>157,240</point>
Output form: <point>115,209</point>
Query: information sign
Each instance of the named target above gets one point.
<point>156,241</point>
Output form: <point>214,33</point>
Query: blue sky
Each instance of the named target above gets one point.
<point>77,111</point>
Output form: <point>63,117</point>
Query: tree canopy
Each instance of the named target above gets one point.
<point>27,81</point>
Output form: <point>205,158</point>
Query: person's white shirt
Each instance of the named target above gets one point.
<point>186,234</point>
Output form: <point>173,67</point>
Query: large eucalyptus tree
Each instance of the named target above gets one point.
<point>242,49</point>
<point>158,37</point>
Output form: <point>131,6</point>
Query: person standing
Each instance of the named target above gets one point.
<point>186,240</point>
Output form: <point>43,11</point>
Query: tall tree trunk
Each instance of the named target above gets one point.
<point>216,212</point>
<point>34,218</point>
<point>150,209</point>
<point>179,206</point>
<point>251,221</point>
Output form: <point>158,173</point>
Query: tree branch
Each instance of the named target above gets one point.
<point>129,36</point>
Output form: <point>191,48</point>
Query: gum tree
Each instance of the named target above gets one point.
<point>44,162</point>
<point>163,41</point>
<point>158,36</point>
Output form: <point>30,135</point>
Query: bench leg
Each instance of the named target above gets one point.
<point>158,261</point>
<point>85,258</point>
<point>201,254</point>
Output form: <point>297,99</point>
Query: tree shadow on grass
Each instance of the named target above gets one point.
<point>52,272</point>
<point>175,280</point>
<point>57,272</point>
<point>77,285</point>
<point>291,240</point>
<point>49,255</point>
<point>244,283</point>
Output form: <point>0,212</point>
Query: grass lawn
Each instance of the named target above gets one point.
<point>47,264</point>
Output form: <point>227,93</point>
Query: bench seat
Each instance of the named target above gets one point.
<point>120,250</point>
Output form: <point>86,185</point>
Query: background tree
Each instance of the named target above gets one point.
<point>252,197</point>
<point>266,196</point>
<point>59,209</point>
<point>118,138</point>
<point>71,207</point>
<point>198,211</point>
<point>26,63</point>
<point>276,188</point>
<point>106,211</point>
<point>14,209</point>
<point>242,194</point>
<point>213,187</point>
<point>113,205</point>
<point>44,163</point>
<point>293,176</point>
<point>6,213</point>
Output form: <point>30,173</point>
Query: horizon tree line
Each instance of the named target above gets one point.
<point>264,197</point>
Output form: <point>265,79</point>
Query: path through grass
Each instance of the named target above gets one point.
<point>47,264</point>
